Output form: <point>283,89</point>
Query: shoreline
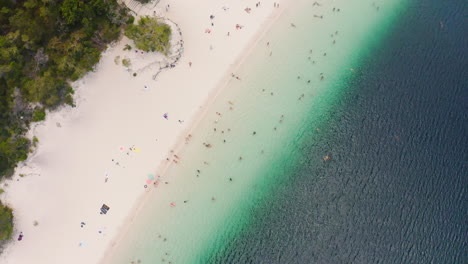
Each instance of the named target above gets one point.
<point>162,215</point>
<point>84,98</point>
<point>199,116</point>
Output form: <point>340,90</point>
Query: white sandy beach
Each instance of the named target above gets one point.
<point>102,151</point>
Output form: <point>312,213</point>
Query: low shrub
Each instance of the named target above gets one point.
<point>6,223</point>
<point>39,115</point>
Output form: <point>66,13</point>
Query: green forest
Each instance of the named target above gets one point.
<point>45,45</point>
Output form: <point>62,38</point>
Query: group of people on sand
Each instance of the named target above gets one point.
<point>238,26</point>
<point>235,76</point>
<point>248,9</point>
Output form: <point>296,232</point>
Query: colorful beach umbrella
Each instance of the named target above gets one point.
<point>148,181</point>
<point>151,176</point>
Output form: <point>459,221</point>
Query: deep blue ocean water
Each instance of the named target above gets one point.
<point>394,190</point>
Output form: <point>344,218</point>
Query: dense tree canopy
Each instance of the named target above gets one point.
<point>45,44</point>
<point>150,35</point>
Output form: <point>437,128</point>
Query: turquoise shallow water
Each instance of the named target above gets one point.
<point>254,129</point>
<point>394,190</point>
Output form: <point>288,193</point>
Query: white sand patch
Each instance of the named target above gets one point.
<point>102,151</point>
